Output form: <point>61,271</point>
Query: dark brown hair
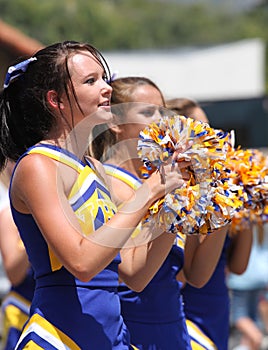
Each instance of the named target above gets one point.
<point>25,116</point>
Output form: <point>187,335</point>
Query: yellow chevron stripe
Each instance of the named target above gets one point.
<point>32,346</point>
<point>48,332</point>
<point>13,318</point>
<point>202,340</point>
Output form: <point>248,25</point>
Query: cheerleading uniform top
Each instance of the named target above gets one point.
<point>67,313</point>
<point>159,303</point>
<point>207,308</point>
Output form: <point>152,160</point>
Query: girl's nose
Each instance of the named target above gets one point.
<point>107,87</point>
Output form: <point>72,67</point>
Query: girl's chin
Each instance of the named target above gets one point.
<point>103,115</point>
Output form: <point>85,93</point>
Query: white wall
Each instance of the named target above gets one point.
<point>234,70</point>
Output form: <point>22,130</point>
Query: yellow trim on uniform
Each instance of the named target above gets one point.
<point>55,264</point>
<point>87,212</point>
<point>47,331</point>
<point>124,177</point>
<point>59,156</point>
<point>180,240</point>
<point>15,295</point>
<point>204,342</point>
<point>14,316</point>
<point>32,346</point>
<point>196,346</point>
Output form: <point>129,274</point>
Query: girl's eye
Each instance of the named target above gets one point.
<point>148,112</point>
<point>90,81</point>
<point>162,112</point>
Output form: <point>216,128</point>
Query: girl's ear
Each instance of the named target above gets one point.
<point>53,100</point>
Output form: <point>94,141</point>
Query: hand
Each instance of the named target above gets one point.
<point>170,176</point>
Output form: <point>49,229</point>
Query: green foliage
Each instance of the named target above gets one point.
<point>131,24</point>
<point>134,24</point>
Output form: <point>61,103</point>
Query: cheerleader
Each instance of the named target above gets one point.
<point>155,315</point>
<point>60,200</point>
<point>207,308</point>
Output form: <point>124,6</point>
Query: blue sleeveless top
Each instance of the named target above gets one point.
<point>65,310</point>
<point>208,307</point>
<point>149,305</point>
<point>159,304</point>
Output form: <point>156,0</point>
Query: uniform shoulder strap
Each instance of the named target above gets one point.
<point>59,154</point>
<point>123,175</point>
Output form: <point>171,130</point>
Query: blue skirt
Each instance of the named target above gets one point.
<point>75,318</point>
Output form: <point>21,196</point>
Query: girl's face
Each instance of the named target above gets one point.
<point>144,109</point>
<point>92,92</point>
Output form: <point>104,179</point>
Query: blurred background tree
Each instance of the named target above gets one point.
<point>137,24</point>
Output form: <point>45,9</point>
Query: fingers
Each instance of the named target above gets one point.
<point>183,159</point>
<point>182,170</point>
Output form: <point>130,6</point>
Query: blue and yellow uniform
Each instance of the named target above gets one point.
<point>155,316</point>
<point>207,309</point>
<point>65,312</point>
<point>15,310</point>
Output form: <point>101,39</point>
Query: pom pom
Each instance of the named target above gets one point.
<point>211,197</point>
<point>251,172</point>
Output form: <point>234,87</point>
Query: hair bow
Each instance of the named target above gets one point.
<point>17,70</point>
<point>113,77</point>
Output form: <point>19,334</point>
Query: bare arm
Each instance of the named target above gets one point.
<point>140,263</point>
<point>239,252</point>
<point>201,256</point>
<point>15,259</point>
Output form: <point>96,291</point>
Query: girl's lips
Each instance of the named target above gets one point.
<point>105,107</point>
<point>105,104</point>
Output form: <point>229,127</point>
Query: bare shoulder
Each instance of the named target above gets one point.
<point>34,175</point>
<point>32,167</point>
